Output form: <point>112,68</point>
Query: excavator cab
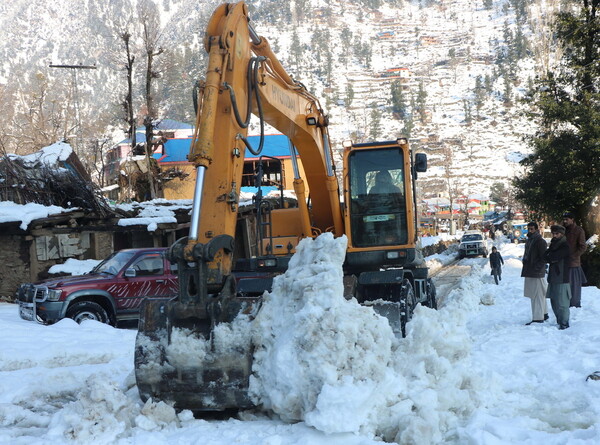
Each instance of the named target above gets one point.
<point>377,198</point>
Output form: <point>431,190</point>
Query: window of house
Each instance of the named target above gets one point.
<point>272,174</point>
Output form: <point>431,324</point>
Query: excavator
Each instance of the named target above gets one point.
<point>224,270</point>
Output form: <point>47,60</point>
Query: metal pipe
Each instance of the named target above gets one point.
<point>253,34</point>
<point>327,154</point>
<point>197,205</point>
<point>294,161</point>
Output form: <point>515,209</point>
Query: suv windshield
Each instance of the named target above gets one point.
<point>114,263</point>
<point>472,237</point>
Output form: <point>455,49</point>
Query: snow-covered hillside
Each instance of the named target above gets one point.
<point>342,50</point>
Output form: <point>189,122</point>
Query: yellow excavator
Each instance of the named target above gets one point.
<point>228,261</point>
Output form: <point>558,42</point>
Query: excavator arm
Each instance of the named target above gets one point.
<point>243,77</point>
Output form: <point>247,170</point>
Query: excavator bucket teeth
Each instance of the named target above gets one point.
<point>174,362</point>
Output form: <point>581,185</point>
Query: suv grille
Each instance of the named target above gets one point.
<point>27,292</point>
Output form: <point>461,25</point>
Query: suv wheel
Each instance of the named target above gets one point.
<point>87,310</point>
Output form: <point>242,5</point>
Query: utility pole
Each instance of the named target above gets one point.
<point>74,68</point>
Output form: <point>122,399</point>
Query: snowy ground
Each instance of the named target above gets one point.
<point>467,373</point>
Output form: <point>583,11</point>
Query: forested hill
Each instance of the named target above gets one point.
<point>447,73</point>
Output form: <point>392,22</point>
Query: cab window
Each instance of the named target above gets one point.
<point>378,205</point>
<point>147,265</point>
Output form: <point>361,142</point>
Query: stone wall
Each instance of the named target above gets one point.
<point>14,257</point>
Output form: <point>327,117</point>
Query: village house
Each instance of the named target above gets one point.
<point>51,212</point>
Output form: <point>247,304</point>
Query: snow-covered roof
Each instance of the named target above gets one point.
<point>49,156</point>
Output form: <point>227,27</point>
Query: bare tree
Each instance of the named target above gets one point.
<point>150,22</point>
<point>452,188</point>
<point>99,149</point>
<point>542,18</point>
<point>41,118</point>
<point>125,36</point>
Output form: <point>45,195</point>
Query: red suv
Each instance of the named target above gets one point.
<point>111,292</point>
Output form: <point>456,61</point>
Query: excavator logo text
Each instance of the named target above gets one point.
<point>283,98</point>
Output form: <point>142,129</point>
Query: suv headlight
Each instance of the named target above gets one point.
<point>54,294</point>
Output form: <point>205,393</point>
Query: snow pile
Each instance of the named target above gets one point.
<point>312,343</point>
<point>49,156</point>
<point>338,366</point>
<point>152,213</point>
<point>152,216</point>
<point>190,349</point>
<point>101,414</point>
<point>9,211</point>
<point>74,267</point>
<point>186,349</point>
<point>104,412</point>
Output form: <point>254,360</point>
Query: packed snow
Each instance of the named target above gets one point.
<point>74,267</point>
<point>329,370</point>
<point>49,156</point>
<point>10,211</point>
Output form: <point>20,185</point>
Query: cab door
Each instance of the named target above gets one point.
<point>148,275</point>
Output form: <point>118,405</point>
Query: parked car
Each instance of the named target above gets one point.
<point>111,292</point>
<point>472,243</point>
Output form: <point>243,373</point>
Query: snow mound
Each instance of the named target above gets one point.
<point>337,365</point>
<point>101,414</point>
<point>313,347</point>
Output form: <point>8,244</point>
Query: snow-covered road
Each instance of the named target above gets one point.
<point>467,373</point>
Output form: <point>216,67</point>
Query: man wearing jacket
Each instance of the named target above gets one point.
<point>559,290</point>
<point>496,262</point>
<point>576,240</point>
<point>534,271</point>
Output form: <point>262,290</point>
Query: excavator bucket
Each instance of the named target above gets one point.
<point>178,359</point>
<point>391,310</point>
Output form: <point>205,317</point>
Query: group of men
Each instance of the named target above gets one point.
<point>565,276</point>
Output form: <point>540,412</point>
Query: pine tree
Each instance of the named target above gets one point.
<point>375,127</point>
<point>398,103</point>
<point>563,172</point>
<point>349,95</point>
<point>421,103</point>
<point>479,95</point>
<point>489,84</point>
<point>467,109</point>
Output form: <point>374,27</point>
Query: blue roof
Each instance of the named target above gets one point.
<point>176,150</point>
<point>170,124</point>
<point>275,145</point>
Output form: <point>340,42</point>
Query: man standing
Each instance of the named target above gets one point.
<point>559,290</point>
<point>576,240</point>
<point>534,271</point>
